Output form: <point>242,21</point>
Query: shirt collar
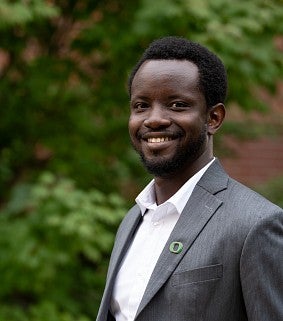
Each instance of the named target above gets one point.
<point>146,199</point>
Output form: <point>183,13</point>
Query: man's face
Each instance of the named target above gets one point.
<point>168,119</point>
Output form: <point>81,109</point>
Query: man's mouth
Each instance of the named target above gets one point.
<point>158,139</point>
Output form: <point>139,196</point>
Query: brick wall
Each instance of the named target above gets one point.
<point>257,161</point>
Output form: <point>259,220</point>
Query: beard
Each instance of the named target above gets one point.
<point>184,155</point>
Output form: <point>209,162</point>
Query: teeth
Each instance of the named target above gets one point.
<point>158,139</point>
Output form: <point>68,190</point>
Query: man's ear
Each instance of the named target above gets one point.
<point>216,115</point>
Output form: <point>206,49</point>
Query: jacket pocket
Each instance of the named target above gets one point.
<point>202,274</point>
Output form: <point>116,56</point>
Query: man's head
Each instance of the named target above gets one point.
<point>176,106</point>
<point>212,73</point>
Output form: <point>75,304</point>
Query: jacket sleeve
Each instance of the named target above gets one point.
<point>261,269</point>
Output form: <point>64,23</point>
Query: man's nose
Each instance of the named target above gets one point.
<point>157,118</point>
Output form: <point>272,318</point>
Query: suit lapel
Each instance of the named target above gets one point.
<point>124,236</point>
<point>196,214</point>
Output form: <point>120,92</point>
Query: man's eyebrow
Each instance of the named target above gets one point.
<point>143,97</point>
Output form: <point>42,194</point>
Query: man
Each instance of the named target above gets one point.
<point>198,246</point>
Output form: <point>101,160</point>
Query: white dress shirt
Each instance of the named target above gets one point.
<point>148,243</point>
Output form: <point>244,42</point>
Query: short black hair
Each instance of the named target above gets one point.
<point>212,73</point>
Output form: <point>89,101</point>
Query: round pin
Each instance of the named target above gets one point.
<point>176,247</point>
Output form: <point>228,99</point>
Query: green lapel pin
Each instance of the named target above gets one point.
<point>176,247</point>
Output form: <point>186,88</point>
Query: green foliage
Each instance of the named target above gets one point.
<point>64,86</point>
<point>20,12</point>
<point>55,241</point>
<point>241,32</point>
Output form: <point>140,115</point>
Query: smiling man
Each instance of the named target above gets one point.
<point>198,245</point>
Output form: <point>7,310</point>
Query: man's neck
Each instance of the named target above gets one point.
<point>165,187</point>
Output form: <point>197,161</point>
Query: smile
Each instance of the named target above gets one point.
<point>158,139</point>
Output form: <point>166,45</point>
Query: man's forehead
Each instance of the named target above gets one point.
<point>153,70</point>
<point>167,64</point>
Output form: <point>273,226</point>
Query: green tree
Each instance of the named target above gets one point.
<point>18,13</point>
<point>55,241</point>
<point>242,33</point>
<point>64,86</point>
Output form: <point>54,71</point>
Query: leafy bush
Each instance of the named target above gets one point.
<point>55,240</point>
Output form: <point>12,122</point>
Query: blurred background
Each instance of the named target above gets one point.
<point>67,170</point>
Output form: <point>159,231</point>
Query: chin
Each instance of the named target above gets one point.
<point>162,167</point>
<point>180,162</point>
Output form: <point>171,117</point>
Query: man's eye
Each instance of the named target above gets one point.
<point>179,104</point>
<point>141,105</point>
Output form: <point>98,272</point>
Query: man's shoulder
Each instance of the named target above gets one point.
<point>243,190</point>
<point>243,198</point>
<point>235,191</point>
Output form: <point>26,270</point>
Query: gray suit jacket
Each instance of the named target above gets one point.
<point>231,265</point>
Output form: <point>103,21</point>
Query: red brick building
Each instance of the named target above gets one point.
<point>258,160</point>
